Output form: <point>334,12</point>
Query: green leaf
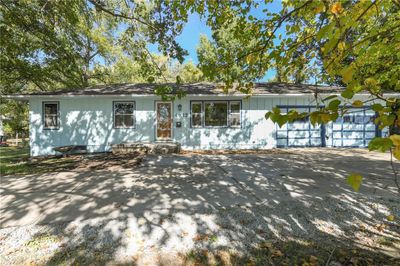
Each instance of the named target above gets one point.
<point>347,74</point>
<point>396,153</point>
<point>357,103</point>
<point>334,105</point>
<point>348,94</point>
<point>354,180</point>
<point>380,144</point>
<point>276,110</point>
<point>376,107</point>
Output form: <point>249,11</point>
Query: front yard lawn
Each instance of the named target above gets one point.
<point>13,160</point>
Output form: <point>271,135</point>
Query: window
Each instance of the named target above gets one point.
<point>216,114</point>
<point>50,115</point>
<point>234,115</point>
<point>124,114</point>
<point>197,113</point>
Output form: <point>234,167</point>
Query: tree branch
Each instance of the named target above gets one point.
<point>101,7</point>
<point>366,10</point>
<point>395,173</point>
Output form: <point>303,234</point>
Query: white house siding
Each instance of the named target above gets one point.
<point>88,120</point>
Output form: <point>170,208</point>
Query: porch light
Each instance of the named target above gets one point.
<point>179,107</point>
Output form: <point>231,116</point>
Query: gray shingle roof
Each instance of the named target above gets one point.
<point>193,89</point>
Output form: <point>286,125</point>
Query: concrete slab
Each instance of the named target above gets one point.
<point>191,183</point>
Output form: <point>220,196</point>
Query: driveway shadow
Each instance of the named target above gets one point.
<point>177,203</point>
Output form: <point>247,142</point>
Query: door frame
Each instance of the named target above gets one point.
<point>156,120</point>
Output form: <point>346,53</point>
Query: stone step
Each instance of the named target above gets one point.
<point>147,148</point>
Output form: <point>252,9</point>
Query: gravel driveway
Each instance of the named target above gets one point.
<point>162,210</point>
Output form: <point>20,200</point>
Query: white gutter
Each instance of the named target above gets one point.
<point>27,97</point>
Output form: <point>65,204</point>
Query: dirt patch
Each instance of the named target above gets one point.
<point>98,161</point>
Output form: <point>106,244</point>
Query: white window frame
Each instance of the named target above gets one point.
<point>201,114</point>
<point>133,114</point>
<point>230,114</point>
<point>57,115</point>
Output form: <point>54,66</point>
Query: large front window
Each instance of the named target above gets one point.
<point>50,115</point>
<point>124,114</point>
<point>216,113</point>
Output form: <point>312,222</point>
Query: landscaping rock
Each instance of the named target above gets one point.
<point>147,148</point>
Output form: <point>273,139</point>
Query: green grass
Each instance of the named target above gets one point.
<point>14,160</point>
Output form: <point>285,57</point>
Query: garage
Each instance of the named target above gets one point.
<point>299,133</point>
<point>355,129</point>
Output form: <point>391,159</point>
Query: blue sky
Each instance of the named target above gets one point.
<point>196,26</point>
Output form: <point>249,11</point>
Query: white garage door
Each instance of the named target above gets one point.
<point>299,133</point>
<point>355,129</point>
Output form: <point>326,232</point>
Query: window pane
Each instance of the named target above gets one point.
<point>196,120</point>
<point>235,107</point>
<point>124,120</point>
<point>235,120</point>
<point>50,121</point>
<point>123,108</point>
<point>216,114</point>
<point>196,107</point>
<point>50,108</point>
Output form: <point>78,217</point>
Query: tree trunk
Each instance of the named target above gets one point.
<point>16,138</point>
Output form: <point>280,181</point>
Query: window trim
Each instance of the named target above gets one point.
<point>134,115</point>
<point>44,115</point>
<point>203,122</point>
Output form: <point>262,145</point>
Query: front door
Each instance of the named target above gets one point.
<point>164,120</point>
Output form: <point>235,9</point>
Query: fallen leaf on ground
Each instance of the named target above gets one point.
<point>390,218</point>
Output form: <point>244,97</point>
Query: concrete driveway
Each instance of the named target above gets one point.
<point>293,193</point>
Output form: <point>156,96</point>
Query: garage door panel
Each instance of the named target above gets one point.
<point>298,142</point>
<point>297,125</point>
<point>315,133</point>
<point>370,127</point>
<point>370,135</point>
<point>348,126</point>
<point>281,142</point>
<point>353,135</point>
<point>353,142</point>
<point>298,134</point>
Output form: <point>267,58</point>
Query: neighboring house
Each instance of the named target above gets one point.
<point>206,118</point>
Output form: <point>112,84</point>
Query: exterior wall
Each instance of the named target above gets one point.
<point>89,121</point>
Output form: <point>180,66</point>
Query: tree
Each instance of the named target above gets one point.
<point>16,122</point>
<point>354,43</point>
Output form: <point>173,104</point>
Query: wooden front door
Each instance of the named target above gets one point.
<point>164,120</point>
